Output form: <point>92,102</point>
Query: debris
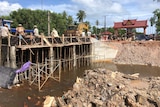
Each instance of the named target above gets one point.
<point>99,88</point>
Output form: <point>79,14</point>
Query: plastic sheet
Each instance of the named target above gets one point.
<point>7,76</point>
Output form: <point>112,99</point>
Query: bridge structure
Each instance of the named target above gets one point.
<point>48,55</point>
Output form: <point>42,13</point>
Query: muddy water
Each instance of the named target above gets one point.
<point>29,96</point>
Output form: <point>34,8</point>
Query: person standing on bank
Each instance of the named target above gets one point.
<point>36,31</point>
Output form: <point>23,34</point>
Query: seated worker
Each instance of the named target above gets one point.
<point>54,33</point>
<point>35,31</point>
<point>20,30</point>
<point>5,31</point>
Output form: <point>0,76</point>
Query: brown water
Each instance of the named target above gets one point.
<point>29,96</point>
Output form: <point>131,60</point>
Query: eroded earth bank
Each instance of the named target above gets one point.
<point>104,88</point>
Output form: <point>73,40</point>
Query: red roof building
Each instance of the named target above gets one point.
<point>130,24</point>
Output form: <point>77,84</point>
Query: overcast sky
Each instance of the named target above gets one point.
<point>113,10</point>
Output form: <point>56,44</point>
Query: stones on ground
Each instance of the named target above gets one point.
<point>104,88</point>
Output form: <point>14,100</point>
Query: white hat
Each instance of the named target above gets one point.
<point>19,24</point>
<point>35,26</point>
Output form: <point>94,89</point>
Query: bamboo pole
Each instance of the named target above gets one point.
<point>69,58</point>
<point>60,69</point>
<point>74,56</point>
<point>0,50</point>
<point>51,59</point>
<point>13,57</point>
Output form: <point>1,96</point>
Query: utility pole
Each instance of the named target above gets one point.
<point>105,22</point>
<point>48,23</point>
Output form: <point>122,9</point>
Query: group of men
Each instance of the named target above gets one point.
<point>20,31</point>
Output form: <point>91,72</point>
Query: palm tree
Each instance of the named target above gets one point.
<point>97,23</point>
<point>81,15</point>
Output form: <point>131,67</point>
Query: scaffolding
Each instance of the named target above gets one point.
<point>48,55</point>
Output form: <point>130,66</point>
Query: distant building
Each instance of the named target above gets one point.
<point>130,25</point>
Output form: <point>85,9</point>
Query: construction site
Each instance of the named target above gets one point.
<point>46,54</point>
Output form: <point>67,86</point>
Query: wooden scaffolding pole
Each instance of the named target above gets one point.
<point>51,55</point>
<point>74,56</point>
<point>13,57</point>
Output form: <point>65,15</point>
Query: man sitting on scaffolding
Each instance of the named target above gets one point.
<point>20,32</point>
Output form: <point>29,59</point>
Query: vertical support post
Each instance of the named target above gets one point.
<point>48,23</point>
<point>13,57</point>
<point>79,60</point>
<point>74,55</point>
<point>0,50</point>
<point>90,53</point>
<point>60,69</point>
<point>70,38</point>
<point>69,58</point>
<point>51,58</point>
<point>39,78</point>
<point>62,38</point>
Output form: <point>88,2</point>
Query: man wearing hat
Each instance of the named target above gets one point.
<point>36,31</point>
<point>54,33</point>
<point>20,30</point>
<point>5,31</point>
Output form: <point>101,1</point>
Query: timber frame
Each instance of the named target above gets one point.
<point>47,54</point>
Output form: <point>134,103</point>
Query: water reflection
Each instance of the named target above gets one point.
<point>29,95</point>
<point>143,70</point>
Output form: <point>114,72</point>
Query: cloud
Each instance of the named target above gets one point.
<point>113,10</point>
<point>6,8</point>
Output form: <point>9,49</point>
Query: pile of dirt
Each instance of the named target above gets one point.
<point>104,88</point>
<point>142,53</point>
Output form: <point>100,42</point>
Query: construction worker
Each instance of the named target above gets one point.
<point>5,31</point>
<point>20,31</point>
<point>36,31</point>
<point>54,33</point>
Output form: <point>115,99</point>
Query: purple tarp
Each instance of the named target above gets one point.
<point>24,67</point>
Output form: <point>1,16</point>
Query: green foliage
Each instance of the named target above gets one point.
<point>155,20</point>
<point>81,15</point>
<point>121,32</point>
<point>111,29</point>
<point>28,18</point>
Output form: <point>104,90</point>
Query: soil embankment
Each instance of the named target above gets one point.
<point>142,53</point>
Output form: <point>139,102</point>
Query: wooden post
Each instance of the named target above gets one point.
<point>13,57</point>
<point>62,38</point>
<point>79,60</point>
<point>46,68</point>
<point>39,78</point>
<point>51,58</point>
<point>70,38</point>
<point>74,55</point>
<point>60,66</point>
<point>0,50</point>
<point>69,58</point>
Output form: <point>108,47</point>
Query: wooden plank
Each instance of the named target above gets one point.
<point>47,42</point>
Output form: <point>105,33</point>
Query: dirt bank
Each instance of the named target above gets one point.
<point>104,88</point>
<point>143,53</point>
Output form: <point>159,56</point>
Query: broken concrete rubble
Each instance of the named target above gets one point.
<point>105,88</point>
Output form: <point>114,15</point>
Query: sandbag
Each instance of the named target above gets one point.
<point>7,76</point>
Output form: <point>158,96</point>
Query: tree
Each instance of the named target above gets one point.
<point>28,18</point>
<point>81,15</point>
<point>155,20</point>
<point>97,23</point>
